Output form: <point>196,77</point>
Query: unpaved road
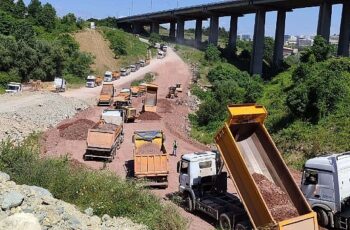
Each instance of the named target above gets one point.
<point>174,122</point>
<point>91,41</point>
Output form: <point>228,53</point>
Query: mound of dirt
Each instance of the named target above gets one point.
<point>277,200</point>
<point>76,130</point>
<point>149,116</point>
<point>164,106</point>
<point>149,148</point>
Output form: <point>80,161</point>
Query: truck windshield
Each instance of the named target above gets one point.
<point>12,87</point>
<point>90,80</point>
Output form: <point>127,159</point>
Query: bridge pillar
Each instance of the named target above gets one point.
<point>136,28</point>
<point>214,30</point>
<point>180,32</point>
<point>256,62</point>
<point>172,30</point>
<point>324,19</point>
<point>198,33</point>
<point>344,36</point>
<point>155,27</point>
<point>232,40</point>
<point>279,38</point>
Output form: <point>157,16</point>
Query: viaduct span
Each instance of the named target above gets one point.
<point>236,9</point>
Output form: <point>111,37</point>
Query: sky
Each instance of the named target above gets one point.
<point>299,22</point>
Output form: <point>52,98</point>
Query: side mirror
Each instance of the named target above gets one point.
<point>178,166</point>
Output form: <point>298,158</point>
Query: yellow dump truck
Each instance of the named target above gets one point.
<point>151,158</point>
<point>150,101</point>
<point>107,94</point>
<point>248,150</point>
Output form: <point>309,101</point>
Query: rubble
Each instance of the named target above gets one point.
<point>35,208</point>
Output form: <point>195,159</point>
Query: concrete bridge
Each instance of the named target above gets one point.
<point>236,9</point>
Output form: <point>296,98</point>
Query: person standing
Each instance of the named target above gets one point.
<point>174,148</point>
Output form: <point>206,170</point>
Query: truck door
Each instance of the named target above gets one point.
<point>184,174</point>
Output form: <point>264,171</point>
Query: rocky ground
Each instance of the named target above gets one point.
<point>34,208</point>
<point>21,114</point>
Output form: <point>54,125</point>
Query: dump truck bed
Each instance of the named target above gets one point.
<point>247,149</point>
<point>148,165</point>
<point>103,137</point>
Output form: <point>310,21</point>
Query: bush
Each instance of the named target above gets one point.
<point>212,53</point>
<point>154,38</point>
<point>101,190</point>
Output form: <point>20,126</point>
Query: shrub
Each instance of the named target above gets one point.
<point>212,53</point>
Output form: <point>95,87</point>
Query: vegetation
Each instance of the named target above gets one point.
<point>308,103</point>
<point>34,43</point>
<point>101,190</point>
<point>128,48</point>
<point>154,38</point>
<point>149,77</point>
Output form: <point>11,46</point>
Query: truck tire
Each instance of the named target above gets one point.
<point>225,222</point>
<point>189,203</point>
<point>242,225</point>
<point>322,217</point>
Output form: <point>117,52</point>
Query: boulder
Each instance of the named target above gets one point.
<point>12,199</point>
<point>20,221</point>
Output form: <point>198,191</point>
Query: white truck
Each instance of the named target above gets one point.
<point>91,81</point>
<point>59,84</point>
<point>203,186</point>
<point>161,54</point>
<point>108,76</point>
<point>326,186</point>
<point>14,87</point>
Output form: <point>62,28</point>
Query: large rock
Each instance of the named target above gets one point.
<point>20,221</point>
<point>12,199</point>
<point>4,177</point>
<point>41,191</point>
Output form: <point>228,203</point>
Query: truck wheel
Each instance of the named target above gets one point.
<point>242,226</point>
<point>322,217</point>
<point>225,222</point>
<point>188,203</point>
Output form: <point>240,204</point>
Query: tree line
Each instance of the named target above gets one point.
<point>35,43</point>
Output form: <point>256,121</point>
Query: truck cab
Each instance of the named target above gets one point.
<point>325,184</point>
<point>60,85</point>
<point>132,68</point>
<point>123,72</point>
<point>108,76</point>
<point>14,87</point>
<point>91,81</point>
<point>203,187</point>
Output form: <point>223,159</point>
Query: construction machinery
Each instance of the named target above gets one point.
<point>161,54</point>
<point>151,158</point>
<point>135,91</point>
<point>106,137</point>
<point>130,113</point>
<point>107,94</point>
<point>172,93</point>
<point>142,63</point>
<point>92,81</point>
<point>108,77</point>
<point>123,72</point>
<point>14,87</point>
<point>203,187</point>
<point>137,65</point>
<point>132,68</point>
<point>124,96</point>
<point>247,150</point>
<point>325,184</point>
<point>115,75</point>
<point>150,101</point>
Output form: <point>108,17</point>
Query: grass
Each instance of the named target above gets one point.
<point>102,190</point>
<point>2,90</point>
<point>74,82</point>
<point>149,77</point>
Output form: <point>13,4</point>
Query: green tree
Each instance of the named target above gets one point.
<point>34,8</point>
<point>23,30</point>
<point>69,19</point>
<point>20,9</point>
<point>7,5</point>
<point>268,49</point>
<point>47,17</point>
<point>154,38</point>
<point>6,23</point>
<point>321,50</point>
<point>212,53</point>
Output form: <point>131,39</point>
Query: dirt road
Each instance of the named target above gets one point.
<point>93,42</point>
<point>173,122</point>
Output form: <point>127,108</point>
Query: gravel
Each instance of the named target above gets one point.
<point>32,208</point>
<point>22,114</point>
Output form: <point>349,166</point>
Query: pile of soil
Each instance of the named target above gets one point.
<point>76,130</point>
<point>277,200</point>
<point>149,116</point>
<point>149,148</point>
<point>164,106</point>
<point>105,126</point>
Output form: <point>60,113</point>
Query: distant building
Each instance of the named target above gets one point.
<point>334,39</point>
<point>303,42</point>
<point>286,38</point>
<point>245,37</point>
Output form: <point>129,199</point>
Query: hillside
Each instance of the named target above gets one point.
<point>91,41</point>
